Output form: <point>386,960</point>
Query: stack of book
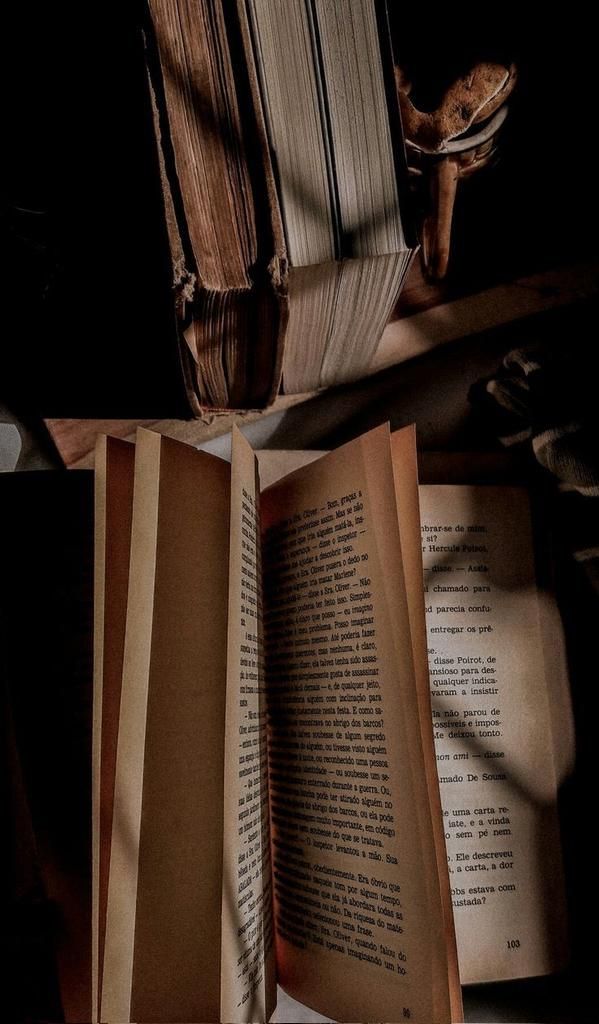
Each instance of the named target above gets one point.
<point>283,173</point>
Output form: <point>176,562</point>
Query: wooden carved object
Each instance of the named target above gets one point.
<point>444,145</point>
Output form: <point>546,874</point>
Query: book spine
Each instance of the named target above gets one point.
<point>221,368</point>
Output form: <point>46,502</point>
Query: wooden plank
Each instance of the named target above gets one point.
<point>413,335</point>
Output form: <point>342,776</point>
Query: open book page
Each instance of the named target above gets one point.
<point>358,935</point>
<point>165,887</point>
<point>248,987</point>
<point>493,731</point>
<point>405,476</point>
<point>114,465</point>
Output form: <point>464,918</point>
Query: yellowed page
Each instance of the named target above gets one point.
<point>248,986</point>
<point>276,463</point>
<point>493,731</point>
<point>163,933</point>
<point>405,474</point>
<point>113,509</point>
<point>357,934</point>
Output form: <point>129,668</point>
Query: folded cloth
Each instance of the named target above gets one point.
<point>546,401</point>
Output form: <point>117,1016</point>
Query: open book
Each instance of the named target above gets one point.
<point>266,795</point>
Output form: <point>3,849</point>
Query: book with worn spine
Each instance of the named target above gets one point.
<point>283,177</point>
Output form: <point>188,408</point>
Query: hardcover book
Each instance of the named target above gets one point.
<point>284,190</point>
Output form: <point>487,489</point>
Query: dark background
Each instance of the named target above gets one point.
<point>88,325</point>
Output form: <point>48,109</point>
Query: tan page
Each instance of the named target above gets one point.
<point>165,887</point>
<point>405,474</point>
<point>357,935</point>
<point>248,986</point>
<point>114,464</point>
<point>493,731</point>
